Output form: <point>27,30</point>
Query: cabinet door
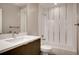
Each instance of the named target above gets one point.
<point>0,20</point>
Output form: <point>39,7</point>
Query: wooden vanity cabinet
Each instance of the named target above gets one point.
<point>32,48</point>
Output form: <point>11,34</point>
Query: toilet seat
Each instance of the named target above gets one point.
<point>46,48</point>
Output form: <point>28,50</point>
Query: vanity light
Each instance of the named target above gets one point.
<point>55,3</point>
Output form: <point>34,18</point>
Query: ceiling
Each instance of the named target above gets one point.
<point>19,4</point>
<point>45,5</point>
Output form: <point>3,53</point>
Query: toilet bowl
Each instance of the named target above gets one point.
<point>45,49</point>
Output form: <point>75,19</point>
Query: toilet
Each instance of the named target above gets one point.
<point>45,49</point>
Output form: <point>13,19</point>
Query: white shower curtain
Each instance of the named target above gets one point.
<point>58,28</point>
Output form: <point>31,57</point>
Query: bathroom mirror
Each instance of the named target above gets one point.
<point>9,18</point>
<point>19,17</point>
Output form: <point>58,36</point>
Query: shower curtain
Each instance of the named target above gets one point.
<point>57,26</point>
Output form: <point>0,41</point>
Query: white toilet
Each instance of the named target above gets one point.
<point>45,49</point>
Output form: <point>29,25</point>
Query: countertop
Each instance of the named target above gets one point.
<point>5,45</point>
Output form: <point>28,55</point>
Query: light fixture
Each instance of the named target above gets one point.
<point>55,3</point>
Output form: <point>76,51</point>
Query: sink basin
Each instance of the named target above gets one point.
<point>19,39</point>
<point>14,40</point>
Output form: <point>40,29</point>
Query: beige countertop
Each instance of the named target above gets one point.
<point>6,45</point>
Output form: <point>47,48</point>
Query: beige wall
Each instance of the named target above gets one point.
<point>32,16</point>
<point>10,17</point>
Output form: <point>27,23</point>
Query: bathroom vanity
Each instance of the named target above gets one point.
<point>25,45</point>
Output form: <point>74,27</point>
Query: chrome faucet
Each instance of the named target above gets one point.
<point>14,34</point>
